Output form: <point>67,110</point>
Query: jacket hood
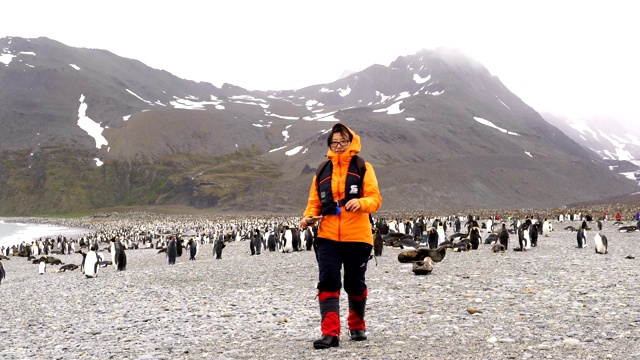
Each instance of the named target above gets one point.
<point>354,147</point>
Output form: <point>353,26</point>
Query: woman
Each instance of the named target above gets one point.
<point>344,193</point>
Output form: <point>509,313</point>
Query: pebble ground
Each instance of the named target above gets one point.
<point>552,302</point>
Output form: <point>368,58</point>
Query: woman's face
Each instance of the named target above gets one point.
<point>339,143</point>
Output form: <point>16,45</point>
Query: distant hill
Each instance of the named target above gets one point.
<point>85,129</point>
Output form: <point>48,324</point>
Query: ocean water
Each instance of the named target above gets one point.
<point>15,233</point>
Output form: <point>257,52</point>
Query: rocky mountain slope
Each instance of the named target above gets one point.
<point>84,129</point>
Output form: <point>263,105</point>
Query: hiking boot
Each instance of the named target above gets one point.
<point>326,341</point>
<point>357,335</point>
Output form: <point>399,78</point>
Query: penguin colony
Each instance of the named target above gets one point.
<point>423,242</point>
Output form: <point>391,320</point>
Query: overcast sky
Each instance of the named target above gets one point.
<point>569,57</point>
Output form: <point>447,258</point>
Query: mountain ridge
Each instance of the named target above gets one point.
<point>440,130</point>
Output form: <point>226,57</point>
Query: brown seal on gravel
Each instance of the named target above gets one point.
<point>419,254</point>
<point>423,267</point>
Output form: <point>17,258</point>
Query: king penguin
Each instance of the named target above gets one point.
<point>546,228</point>
<point>601,243</point>
<point>503,236</point>
<point>121,257</point>
<point>172,251</point>
<point>90,263</point>
<point>2,275</point>
<point>378,243</point>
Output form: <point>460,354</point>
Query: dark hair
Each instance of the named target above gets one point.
<point>339,128</point>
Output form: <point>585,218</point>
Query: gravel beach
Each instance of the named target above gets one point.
<point>551,302</point>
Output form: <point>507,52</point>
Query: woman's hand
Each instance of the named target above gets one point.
<point>352,205</point>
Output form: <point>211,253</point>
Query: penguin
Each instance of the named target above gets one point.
<point>90,263</point>
<point>287,240</point>
<point>546,228</point>
<point>258,239</point>
<point>296,242</point>
<point>42,268</point>
<point>179,246</point>
<point>440,230</point>
<point>378,243</point>
<point>533,233</point>
<point>523,238</point>
<point>112,250</point>
<point>489,226</point>
<point>308,240</point>
<point>582,234</point>
<point>252,245</point>
<point>172,251</point>
<point>600,242</point>
<point>433,238</point>
<point>2,274</point>
<point>503,236</point>
<point>193,249</point>
<point>474,237</point>
<point>218,245</point>
<point>526,235</point>
<point>581,237</point>
<point>271,241</point>
<point>121,257</point>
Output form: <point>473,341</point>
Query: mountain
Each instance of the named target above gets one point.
<point>85,129</point>
<point>614,141</point>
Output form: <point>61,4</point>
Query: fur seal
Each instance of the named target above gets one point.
<point>66,267</point>
<point>419,254</point>
<point>2,274</point>
<point>630,228</point>
<point>497,247</point>
<point>464,245</point>
<point>491,238</point>
<point>423,267</point>
<point>406,242</point>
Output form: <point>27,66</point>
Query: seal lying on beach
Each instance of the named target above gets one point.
<point>423,267</point>
<point>419,254</point>
<point>48,260</point>
<point>66,267</point>
<point>630,228</point>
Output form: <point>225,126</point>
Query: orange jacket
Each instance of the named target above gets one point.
<point>348,225</point>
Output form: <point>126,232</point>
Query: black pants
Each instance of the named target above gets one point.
<point>332,255</point>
